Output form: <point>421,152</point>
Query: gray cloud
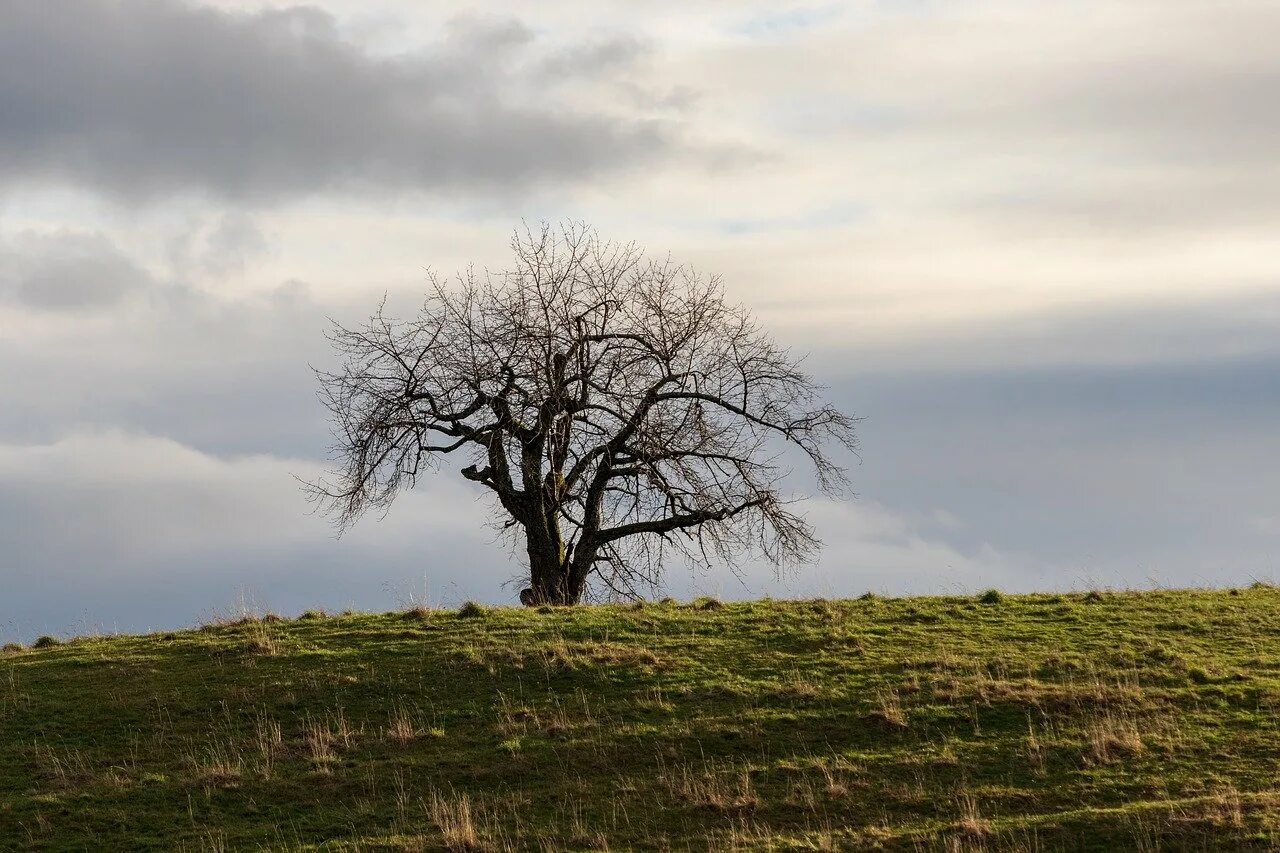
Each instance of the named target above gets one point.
<point>144,99</point>
<point>1156,470</point>
<point>225,247</point>
<point>224,374</point>
<point>67,271</point>
<point>1219,332</point>
<point>592,58</point>
<point>109,530</point>
<point>116,530</point>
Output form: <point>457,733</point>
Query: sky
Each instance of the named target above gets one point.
<point>1034,244</point>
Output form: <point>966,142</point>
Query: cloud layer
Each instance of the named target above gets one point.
<point>67,272</point>
<point>1031,242</point>
<point>142,100</point>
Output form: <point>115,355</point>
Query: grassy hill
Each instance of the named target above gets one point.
<point>1100,721</point>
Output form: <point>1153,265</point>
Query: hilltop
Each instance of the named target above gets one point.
<point>1084,721</point>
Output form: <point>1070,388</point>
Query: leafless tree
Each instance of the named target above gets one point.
<point>617,407</point>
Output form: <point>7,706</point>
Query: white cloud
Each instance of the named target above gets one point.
<point>117,495</point>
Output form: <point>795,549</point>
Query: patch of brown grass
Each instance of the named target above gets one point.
<point>971,822</point>
<point>724,789</point>
<point>1112,736</point>
<point>459,822</point>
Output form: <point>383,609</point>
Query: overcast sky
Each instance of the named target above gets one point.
<point>1034,244</point>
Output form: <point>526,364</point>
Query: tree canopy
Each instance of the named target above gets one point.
<point>617,407</point>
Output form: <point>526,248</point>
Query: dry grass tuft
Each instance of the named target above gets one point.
<point>261,642</point>
<point>219,765</point>
<point>569,655</point>
<point>64,766</point>
<point>403,727</point>
<point>269,740</point>
<point>888,710</point>
<point>560,655</point>
<point>453,816</point>
<point>323,737</point>
<point>795,685</point>
<point>971,822</point>
<point>1223,808</point>
<point>722,789</point>
<point>1113,736</point>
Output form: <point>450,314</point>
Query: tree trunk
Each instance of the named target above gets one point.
<point>550,578</point>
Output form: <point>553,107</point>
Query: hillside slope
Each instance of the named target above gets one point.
<point>1132,720</point>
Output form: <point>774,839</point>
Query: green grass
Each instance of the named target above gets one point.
<point>1113,721</point>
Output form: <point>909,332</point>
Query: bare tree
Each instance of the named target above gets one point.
<point>617,407</point>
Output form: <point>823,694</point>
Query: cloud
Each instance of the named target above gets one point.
<point>118,495</point>
<point>602,55</point>
<point>1118,123</point>
<point>869,547</point>
<point>1112,473</point>
<point>67,271</point>
<point>224,373</point>
<point>1227,331</point>
<point>142,100</point>
<point>107,528</point>
<point>228,246</point>
<point>126,530</point>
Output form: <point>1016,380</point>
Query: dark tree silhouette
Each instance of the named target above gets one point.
<point>617,408</point>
